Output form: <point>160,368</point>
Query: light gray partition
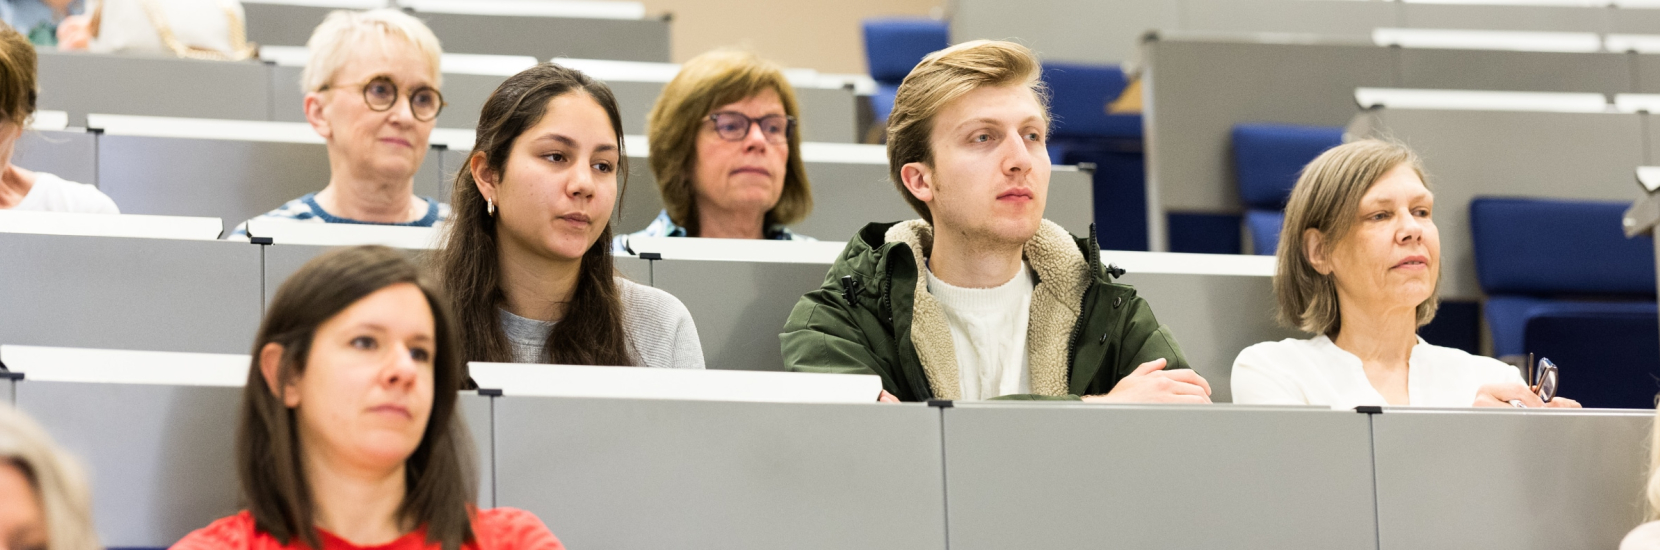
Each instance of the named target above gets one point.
<point>229,179</point>
<point>1633,20</point>
<point>478,413</point>
<point>624,473</point>
<point>68,154</point>
<point>846,196</point>
<point>827,115</point>
<point>1214,317</point>
<point>161,458</point>
<point>546,37</point>
<point>1331,19</point>
<point>1220,476</point>
<point>635,269</point>
<point>1509,479</point>
<point>80,83</point>
<point>1470,154</point>
<point>129,293</point>
<point>1082,31</point>
<point>739,307</point>
<point>1504,17</point>
<point>283,24</point>
<point>7,387</point>
<point>1608,73</point>
<point>1199,88</point>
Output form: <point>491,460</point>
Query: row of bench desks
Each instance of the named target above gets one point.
<point>605,30</point>
<point>635,473</point>
<point>77,83</point>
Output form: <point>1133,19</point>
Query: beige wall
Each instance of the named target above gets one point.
<point>813,34</point>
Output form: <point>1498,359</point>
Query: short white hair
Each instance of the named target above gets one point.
<point>335,40</point>
<point>55,476</point>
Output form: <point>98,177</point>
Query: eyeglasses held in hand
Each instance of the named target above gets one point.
<point>381,94</point>
<point>734,126</point>
<point>1543,378</point>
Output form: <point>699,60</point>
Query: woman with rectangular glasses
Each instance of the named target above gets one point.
<point>372,93</point>
<point>726,152</point>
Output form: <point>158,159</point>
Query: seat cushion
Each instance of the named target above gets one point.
<point>1263,228</point>
<point>1546,247</point>
<point>893,46</point>
<point>1078,97</point>
<point>1508,317</point>
<point>1608,358</point>
<point>1268,157</point>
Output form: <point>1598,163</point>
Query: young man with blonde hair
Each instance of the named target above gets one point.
<point>982,298</point>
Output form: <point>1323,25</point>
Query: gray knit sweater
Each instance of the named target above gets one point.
<point>660,330</point>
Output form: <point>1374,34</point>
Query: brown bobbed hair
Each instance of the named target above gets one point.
<point>469,264</point>
<point>1326,197</point>
<point>707,82</point>
<point>17,76</point>
<point>441,479</point>
<point>941,78</point>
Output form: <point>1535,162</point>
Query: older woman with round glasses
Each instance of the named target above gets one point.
<point>726,152</point>
<point>1359,261</point>
<point>372,92</point>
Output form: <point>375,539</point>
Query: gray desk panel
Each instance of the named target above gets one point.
<point>1505,18</point>
<point>1470,154</point>
<point>161,458</point>
<point>6,392</point>
<point>228,179</point>
<point>622,473</point>
<point>1508,479</point>
<point>739,307</point>
<point>1082,31</point>
<point>635,269</point>
<point>477,413</point>
<point>1647,72</point>
<point>1214,317</point>
<point>548,37</point>
<point>1081,476</point>
<point>280,24</point>
<point>126,293</point>
<point>1608,73</point>
<point>848,196</point>
<point>69,154</point>
<point>1199,89</point>
<point>283,260</point>
<point>1335,19</point>
<point>1633,20</point>
<point>79,83</point>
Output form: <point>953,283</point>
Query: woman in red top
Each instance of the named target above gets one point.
<point>349,436</point>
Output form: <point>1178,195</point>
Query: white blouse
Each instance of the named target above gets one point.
<point>1317,372</point>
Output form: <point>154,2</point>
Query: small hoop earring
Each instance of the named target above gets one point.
<point>490,206</point>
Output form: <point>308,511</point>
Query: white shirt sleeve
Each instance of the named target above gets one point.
<point>1262,377</point>
<point>54,194</point>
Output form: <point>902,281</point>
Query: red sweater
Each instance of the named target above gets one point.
<point>495,529</point>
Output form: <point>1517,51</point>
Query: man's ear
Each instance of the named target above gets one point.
<point>1314,248</point>
<point>270,361</point>
<point>314,115</point>
<point>919,180</point>
<point>483,175</point>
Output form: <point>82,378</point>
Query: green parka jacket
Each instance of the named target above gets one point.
<point>874,315</point>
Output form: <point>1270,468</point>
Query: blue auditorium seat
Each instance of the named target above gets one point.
<point>893,46</point>
<point>1267,159</point>
<point>1083,132</point>
<point>1564,282</point>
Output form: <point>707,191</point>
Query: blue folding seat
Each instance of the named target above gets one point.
<point>1083,132</point>
<point>1267,159</point>
<point>1563,281</point>
<point>893,46</point>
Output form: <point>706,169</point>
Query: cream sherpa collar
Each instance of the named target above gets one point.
<point>1063,277</point>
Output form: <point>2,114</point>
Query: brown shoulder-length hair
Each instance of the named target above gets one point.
<point>705,83</point>
<point>441,479</point>
<point>17,76</point>
<point>1325,199</point>
<point>941,78</point>
<point>591,332</point>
